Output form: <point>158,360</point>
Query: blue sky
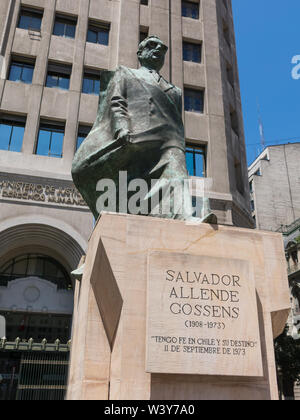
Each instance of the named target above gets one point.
<point>268,37</point>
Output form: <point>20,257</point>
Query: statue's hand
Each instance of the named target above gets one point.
<point>123,136</point>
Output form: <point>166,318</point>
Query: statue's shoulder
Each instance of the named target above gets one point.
<point>123,70</point>
<point>105,77</point>
<point>114,76</point>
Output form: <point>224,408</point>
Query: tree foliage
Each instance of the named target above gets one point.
<point>287,353</point>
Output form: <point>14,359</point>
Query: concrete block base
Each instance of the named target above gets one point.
<point>111,347</point>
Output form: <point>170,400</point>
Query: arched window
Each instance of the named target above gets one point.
<point>35,265</point>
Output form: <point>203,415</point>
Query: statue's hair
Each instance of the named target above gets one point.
<point>144,42</point>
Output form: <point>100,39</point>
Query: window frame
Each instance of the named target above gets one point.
<point>197,150</point>
<point>194,7</point>
<point>52,127</point>
<point>24,62</point>
<point>193,98</point>
<point>13,121</point>
<point>66,21</point>
<point>93,75</point>
<point>65,285</point>
<point>98,28</point>
<point>30,12</point>
<point>62,72</point>
<point>82,129</point>
<point>186,44</point>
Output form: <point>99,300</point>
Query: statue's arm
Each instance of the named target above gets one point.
<point>120,120</point>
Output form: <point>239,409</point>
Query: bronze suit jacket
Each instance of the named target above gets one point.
<point>154,107</point>
<point>145,104</point>
<point>135,100</point>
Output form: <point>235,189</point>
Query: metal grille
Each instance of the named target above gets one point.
<point>43,376</point>
<point>33,371</point>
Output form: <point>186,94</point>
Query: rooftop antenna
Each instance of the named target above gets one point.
<point>261,128</point>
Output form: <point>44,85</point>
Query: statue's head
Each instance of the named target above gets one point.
<point>152,52</point>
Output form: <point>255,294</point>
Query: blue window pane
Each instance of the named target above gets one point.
<point>187,103</point>
<point>80,140</point>
<point>64,83</point>
<point>199,161</point>
<point>103,37</point>
<point>190,163</point>
<point>35,23</point>
<point>190,9</point>
<point>30,21</point>
<point>87,86</point>
<point>27,74</point>
<point>52,81</point>
<point>59,29</point>
<point>70,31</point>
<point>15,73</point>
<point>17,139</point>
<point>43,145</point>
<point>191,52</point>
<point>92,36</point>
<point>91,85</point>
<point>24,22</point>
<point>5,133</point>
<point>98,36</point>
<point>197,54</point>
<point>195,12</point>
<point>195,161</point>
<point>56,144</point>
<point>185,53</point>
<point>65,29</point>
<point>97,87</point>
<point>193,100</point>
<point>59,81</point>
<point>198,104</point>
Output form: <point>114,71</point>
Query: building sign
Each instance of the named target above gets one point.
<point>41,193</point>
<point>202,316</point>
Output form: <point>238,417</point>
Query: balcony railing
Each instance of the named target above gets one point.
<point>287,229</point>
<point>30,345</point>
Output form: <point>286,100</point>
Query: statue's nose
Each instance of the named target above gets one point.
<point>159,49</point>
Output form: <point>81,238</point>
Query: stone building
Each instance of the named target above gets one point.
<point>274,187</point>
<point>275,203</point>
<point>51,56</point>
<point>291,236</point>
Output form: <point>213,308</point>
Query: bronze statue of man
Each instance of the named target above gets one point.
<point>139,131</point>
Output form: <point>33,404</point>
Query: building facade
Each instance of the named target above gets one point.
<point>274,187</point>
<point>291,236</point>
<point>275,204</point>
<point>51,56</point>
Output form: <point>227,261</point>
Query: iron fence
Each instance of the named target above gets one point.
<point>33,371</point>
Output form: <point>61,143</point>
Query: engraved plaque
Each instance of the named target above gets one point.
<point>202,316</point>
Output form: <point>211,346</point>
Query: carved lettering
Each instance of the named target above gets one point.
<point>40,193</point>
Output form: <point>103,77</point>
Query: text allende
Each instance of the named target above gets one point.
<point>203,278</point>
<point>205,294</point>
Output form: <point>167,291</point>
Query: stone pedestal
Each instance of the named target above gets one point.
<point>169,310</point>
